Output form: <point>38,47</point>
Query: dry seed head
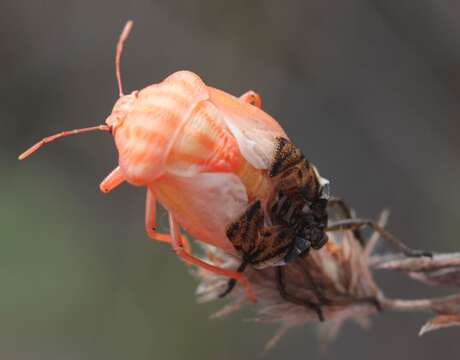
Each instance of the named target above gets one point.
<point>339,270</point>
<point>342,270</point>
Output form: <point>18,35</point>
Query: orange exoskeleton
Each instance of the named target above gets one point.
<point>191,146</point>
<point>223,169</point>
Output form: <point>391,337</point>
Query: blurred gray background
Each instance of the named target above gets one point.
<point>369,90</point>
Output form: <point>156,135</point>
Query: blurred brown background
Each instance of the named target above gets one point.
<point>370,91</point>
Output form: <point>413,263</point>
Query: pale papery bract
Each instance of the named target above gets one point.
<point>339,269</point>
<point>342,270</point>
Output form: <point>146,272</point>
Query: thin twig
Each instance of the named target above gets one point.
<point>419,304</point>
<point>398,262</point>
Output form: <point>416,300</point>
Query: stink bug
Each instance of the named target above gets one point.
<point>224,169</point>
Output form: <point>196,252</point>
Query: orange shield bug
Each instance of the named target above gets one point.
<point>224,169</point>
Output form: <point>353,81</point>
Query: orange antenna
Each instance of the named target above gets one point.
<point>51,138</point>
<point>121,42</point>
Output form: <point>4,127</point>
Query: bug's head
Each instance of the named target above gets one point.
<point>140,149</point>
<point>114,122</point>
<point>121,108</point>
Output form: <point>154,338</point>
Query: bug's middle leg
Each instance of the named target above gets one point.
<point>150,222</point>
<point>179,249</point>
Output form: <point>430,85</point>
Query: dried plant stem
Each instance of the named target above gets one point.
<point>398,262</point>
<point>418,304</point>
<point>442,269</point>
<point>339,278</point>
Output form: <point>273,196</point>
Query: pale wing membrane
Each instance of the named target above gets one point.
<point>217,198</point>
<point>203,144</point>
<point>254,130</point>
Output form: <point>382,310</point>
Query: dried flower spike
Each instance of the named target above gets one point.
<point>338,278</point>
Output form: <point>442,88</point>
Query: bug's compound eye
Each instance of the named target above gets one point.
<point>253,100</point>
<point>113,121</point>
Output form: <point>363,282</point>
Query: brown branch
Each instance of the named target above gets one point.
<point>399,262</point>
<point>420,304</point>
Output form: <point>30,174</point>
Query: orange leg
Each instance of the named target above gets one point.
<point>251,97</point>
<point>180,251</point>
<point>150,222</point>
<point>114,179</point>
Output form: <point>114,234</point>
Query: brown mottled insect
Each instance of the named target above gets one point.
<point>268,232</point>
<point>295,218</point>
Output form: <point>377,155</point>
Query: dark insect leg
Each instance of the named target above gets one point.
<point>324,300</point>
<point>319,293</point>
<point>288,297</point>
<point>347,213</point>
<point>343,207</point>
<point>354,224</point>
<point>232,282</point>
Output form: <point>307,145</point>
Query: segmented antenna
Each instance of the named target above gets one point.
<point>121,42</point>
<point>51,138</point>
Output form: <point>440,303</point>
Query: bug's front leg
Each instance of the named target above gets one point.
<point>150,222</point>
<point>251,97</point>
<point>114,179</point>
<point>178,247</point>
